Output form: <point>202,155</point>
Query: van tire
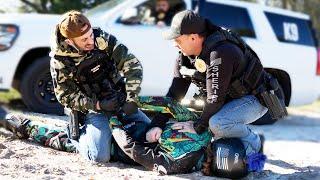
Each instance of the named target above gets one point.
<point>37,88</point>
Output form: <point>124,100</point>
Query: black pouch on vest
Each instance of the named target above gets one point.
<point>248,81</point>
<point>237,89</point>
<point>253,73</point>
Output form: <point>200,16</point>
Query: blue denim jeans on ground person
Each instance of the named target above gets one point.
<point>232,119</point>
<point>95,136</point>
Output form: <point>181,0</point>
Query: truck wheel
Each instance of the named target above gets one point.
<point>37,88</point>
<point>266,119</point>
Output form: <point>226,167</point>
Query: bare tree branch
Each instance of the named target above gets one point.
<point>43,4</point>
<point>32,5</point>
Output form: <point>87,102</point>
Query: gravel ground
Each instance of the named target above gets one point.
<point>292,147</point>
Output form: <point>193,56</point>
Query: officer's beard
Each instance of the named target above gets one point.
<point>89,47</point>
<point>161,11</point>
<point>82,51</point>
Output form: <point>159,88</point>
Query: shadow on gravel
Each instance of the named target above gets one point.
<point>269,175</point>
<point>304,127</point>
<point>3,112</point>
<point>16,104</point>
<point>286,165</point>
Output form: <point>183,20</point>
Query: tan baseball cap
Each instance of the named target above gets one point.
<point>74,24</point>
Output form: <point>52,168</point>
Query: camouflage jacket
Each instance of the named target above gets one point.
<point>68,92</point>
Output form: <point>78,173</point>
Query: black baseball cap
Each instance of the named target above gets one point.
<point>185,22</point>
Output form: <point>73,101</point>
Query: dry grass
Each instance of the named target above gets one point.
<point>6,97</point>
<point>314,107</point>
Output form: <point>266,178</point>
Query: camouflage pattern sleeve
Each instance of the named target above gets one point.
<point>127,64</point>
<point>67,91</point>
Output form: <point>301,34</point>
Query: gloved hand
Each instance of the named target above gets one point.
<point>130,108</point>
<point>153,135</point>
<point>109,105</point>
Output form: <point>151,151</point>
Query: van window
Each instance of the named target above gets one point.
<point>152,12</point>
<point>235,18</point>
<point>291,30</point>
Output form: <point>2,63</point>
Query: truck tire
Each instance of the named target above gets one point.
<point>37,88</point>
<point>266,119</point>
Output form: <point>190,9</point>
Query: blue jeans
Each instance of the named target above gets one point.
<point>95,136</point>
<point>232,119</point>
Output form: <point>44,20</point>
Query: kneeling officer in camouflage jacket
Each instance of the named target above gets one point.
<point>96,75</point>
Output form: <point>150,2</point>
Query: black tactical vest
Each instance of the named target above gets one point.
<point>249,73</point>
<point>97,75</point>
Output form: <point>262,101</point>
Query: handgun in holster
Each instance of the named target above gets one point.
<point>268,97</point>
<point>76,119</point>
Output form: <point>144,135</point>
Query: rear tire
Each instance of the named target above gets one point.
<point>37,88</point>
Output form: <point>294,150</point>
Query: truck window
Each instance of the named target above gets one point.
<point>291,30</point>
<point>152,12</point>
<point>231,17</point>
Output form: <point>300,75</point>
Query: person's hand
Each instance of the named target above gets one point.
<point>109,105</point>
<point>153,135</point>
<point>161,24</point>
<point>184,127</point>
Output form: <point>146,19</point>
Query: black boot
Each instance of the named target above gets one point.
<point>16,124</point>
<point>3,112</point>
<point>262,139</point>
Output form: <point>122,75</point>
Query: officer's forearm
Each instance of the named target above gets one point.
<point>178,88</point>
<point>133,88</point>
<point>132,71</point>
<point>76,101</point>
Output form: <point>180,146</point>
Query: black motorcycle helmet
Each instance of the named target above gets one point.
<point>226,158</point>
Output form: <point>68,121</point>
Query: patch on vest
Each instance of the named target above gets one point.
<point>101,43</point>
<point>200,65</point>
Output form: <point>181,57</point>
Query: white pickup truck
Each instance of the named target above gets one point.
<point>284,41</point>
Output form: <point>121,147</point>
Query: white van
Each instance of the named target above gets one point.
<point>284,41</point>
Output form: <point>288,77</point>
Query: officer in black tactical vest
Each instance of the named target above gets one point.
<point>96,77</point>
<point>236,89</point>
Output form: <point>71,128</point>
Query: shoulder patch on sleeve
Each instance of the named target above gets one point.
<point>213,59</point>
<point>213,55</point>
<point>215,62</point>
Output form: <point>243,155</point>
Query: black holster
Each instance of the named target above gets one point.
<point>76,119</point>
<point>269,99</point>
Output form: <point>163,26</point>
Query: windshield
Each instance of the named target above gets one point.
<point>104,7</point>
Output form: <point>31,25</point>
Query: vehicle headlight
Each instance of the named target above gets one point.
<point>8,34</point>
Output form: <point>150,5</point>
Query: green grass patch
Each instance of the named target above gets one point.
<point>6,97</point>
<point>314,107</point>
